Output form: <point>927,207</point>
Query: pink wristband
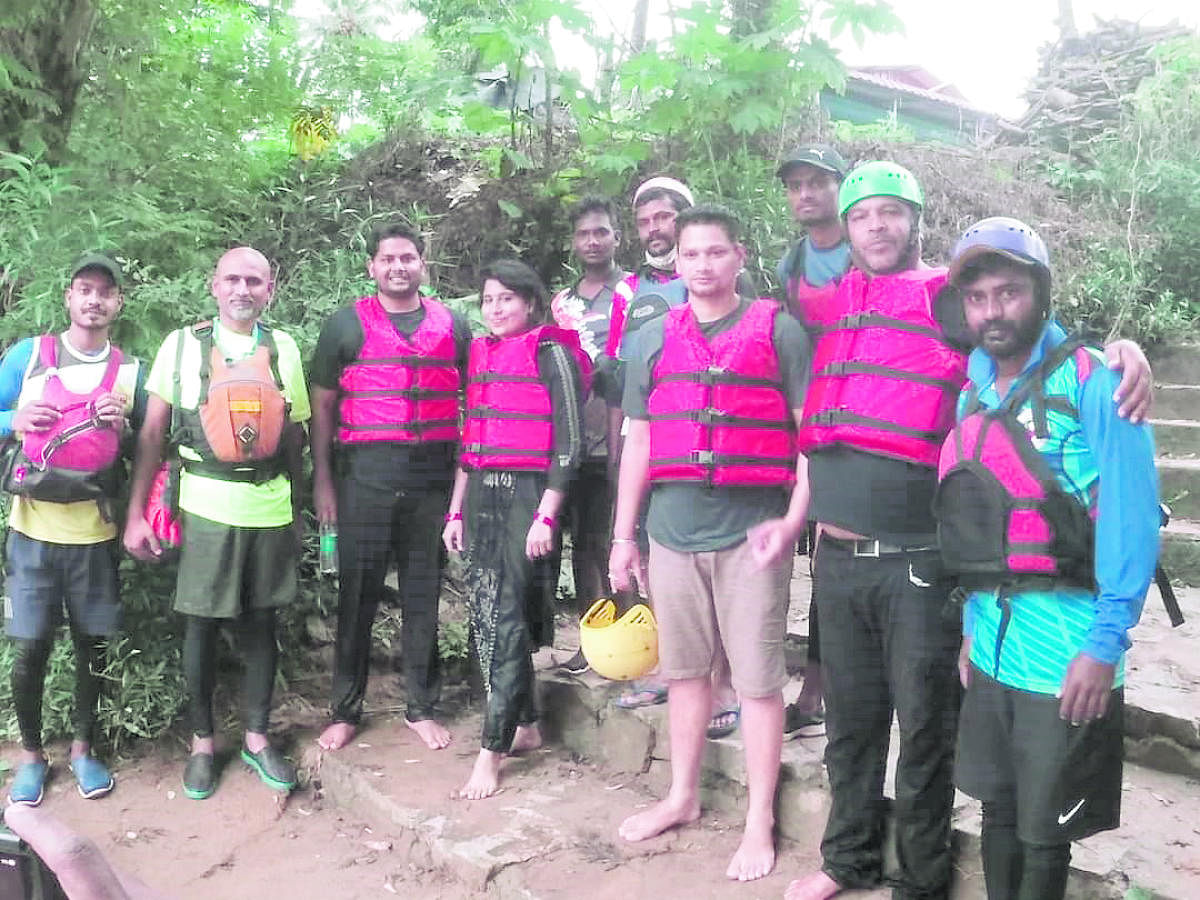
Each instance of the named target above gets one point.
<point>544,519</point>
<point>454,517</point>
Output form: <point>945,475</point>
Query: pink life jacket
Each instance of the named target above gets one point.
<point>398,389</point>
<point>75,459</point>
<point>809,304</point>
<point>1003,517</point>
<point>718,411</point>
<point>885,377</point>
<point>509,417</point>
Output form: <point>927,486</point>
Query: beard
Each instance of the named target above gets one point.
<point>1006,339</point>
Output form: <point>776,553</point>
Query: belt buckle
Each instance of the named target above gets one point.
<point>866,549</point>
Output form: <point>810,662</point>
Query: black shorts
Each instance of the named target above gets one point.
<point>42,578</point>
<point>225,571</point>
<point>1066,778</point>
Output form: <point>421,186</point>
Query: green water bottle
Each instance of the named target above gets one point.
<point>327,548</point>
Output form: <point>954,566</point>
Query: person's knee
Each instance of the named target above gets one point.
<point>30,657</point>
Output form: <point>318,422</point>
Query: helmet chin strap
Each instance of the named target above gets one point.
<point>664,263</point>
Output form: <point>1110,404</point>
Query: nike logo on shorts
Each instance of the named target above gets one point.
<point>1064,818</point>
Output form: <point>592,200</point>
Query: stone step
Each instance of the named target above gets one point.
<point>1179,486</point>
<point>1177,401</point>
<point>1156,850</point>
<point>1180,551</point>
<point>1162,687</point>
<point>1177,365</point>
<point>1176,438</point>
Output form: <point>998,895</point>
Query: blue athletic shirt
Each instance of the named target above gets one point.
<point>1112,460</point>
<point>820,266</point>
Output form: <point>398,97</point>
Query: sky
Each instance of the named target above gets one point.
<point>989,50</point>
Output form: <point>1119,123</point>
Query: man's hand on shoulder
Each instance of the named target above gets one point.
<point>1135,393</point>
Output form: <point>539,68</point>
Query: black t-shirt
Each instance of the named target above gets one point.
<point>341,339</point>
<point>390,465</point>
<point>884,498</point>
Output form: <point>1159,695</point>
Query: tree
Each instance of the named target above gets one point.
<point>42,72</point>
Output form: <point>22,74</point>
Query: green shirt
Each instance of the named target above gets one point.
<point>236,503</point>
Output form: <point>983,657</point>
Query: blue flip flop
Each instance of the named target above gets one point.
<point>29,784</point>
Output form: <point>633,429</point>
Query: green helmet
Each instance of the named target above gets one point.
<point>879,179</point>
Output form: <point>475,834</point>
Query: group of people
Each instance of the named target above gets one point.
<point>925,427</point>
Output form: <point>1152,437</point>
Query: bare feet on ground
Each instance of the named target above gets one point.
<point>661,816</point>
<point>813,886</point>
<point>755,856</point>
<point>435,735</point>
<point>336,736</point>
<point>528,737</point>
<point>485,777</point>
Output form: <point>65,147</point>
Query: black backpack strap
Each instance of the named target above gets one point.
<point>204,334</point>
<point>267,336</point>
<point>1170,601</point>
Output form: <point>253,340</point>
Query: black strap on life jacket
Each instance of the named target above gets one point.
<point>1034,389</point>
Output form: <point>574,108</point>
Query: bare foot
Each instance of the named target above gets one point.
<point>336,736</point>
<point>528,737</point>
<point>813,886</point>
<point>435,735</point>
<point>661,816</point>
<point>755,856</point>
<point>485,777</point>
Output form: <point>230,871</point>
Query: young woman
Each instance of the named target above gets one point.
<point>521,445</point>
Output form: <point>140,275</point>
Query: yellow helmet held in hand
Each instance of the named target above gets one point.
<point>620,649</point>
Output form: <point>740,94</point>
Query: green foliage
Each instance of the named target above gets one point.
<point>454,641</point>
<point>1146,176</point>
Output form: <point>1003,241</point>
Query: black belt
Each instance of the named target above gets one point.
<point>871,548</point>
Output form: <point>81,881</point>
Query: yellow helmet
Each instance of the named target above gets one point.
<point>620,649</point>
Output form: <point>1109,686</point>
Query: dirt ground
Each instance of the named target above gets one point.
<point>249,842</point>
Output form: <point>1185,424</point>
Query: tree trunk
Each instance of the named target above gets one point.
<point>1066,20</point>
<point>637,34</point>
<point>750,16</point>
<point>48,44</point>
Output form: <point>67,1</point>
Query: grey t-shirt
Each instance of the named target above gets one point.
<point>692,517</point>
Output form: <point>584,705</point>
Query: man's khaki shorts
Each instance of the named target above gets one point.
<point>721,598</point>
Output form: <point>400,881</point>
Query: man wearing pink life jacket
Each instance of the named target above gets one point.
<point>809,274</point>
<point>522,442</point>
<point>1048,515</point>
<point>387,376</point>
<point>886,377</point>
<point>65,405</point>
<point>713,396</point>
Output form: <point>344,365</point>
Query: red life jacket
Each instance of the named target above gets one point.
<point>885,377</point>
<point>718,412</point>
<point>509,416</point>
<point>1003,517</point>
<point>77,457</point>
<point>398,389</point>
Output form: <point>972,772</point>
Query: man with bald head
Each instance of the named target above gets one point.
<point>230,396</point>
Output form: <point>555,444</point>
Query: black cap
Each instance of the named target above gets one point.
<point>93,260</point>
<point>819,156</point>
